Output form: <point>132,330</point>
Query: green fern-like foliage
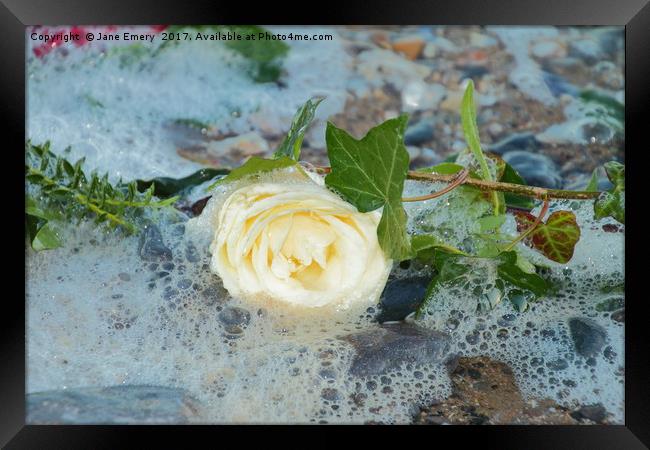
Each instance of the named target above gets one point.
<point>58,190</point>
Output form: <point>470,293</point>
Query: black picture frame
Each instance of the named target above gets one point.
<point>633,14</point>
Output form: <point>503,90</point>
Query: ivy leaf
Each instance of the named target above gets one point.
<point>370,173</point>
<point>489,223</point>
<point>612,202</point>
<point>164,187</point>
<point>556,238</point>
<point>510,271</point>
<point>290,146</point>
<point>453,269</point>
<point>255,165</point>
<point>510,175</point>
<point>424,246</point>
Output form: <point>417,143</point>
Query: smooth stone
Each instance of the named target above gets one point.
<point>191,253</point>
<point>419,133</point>
<point>418,95</point>
<point>380,66</point>
<point>612,40</point>
<point>112,405</point>
<point>619,316</point>
<point>536,169</point>
<point>330,394</point>
<point>559,85</point>
<point>388,347</point>
<point>246,144</point>
<point>519,141</point>
<point>474,72</point>
<point>557,364</point>
<point>586,49</point>
<point>152,247</point>
<point>610,74</point>
<point>582,182</point>
<point>588,337</point>
<point>611,304</point>
<point>234,319</point>
<point>545,49</point>
<point>596,413</point>
<point>481,40</point>
<point>410,46</point>
<point>430,50</point>
<point>401,297</point>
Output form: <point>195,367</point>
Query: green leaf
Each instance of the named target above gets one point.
<point>452,269</point>
<point>46,238</point>
<point>444,168</point>
<point>64,190</point>
<point>510,175</point>
<point>556,238</point>
<point>611,111</point>
<point>423,246</point>
<point>470,130</point>
<point>254,166</point>
<point>509,271</point>
<point>391,232</point>
<point>192,123</point>
<point>264,54</point>
<point>290,146</point>
<point>612,202</point>
<point>370,173</point>
<point>592,186</point>
<point>166,187</point>
<point>491,222</point>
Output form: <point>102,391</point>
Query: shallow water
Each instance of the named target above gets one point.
<point>98,313</point>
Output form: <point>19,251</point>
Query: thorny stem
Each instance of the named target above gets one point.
<point>460,178</point>
<point>531,228</point>
<point>489,186</point>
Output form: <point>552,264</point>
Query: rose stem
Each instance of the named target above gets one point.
<point>460,178</point>
<point>526,191</point>
<point>530,229</point>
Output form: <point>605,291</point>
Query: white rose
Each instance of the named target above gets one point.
<point>297,243</point>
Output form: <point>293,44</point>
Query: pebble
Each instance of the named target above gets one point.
<point>418,95</point>
<point>410,46</point>
<point>586,49</point>
<point>558,85</point>
<point>124,405</point>
<point>619,316</point>
<point>152,247</point>
<point>391,345</point>
<point>596,413</point>
<point>518,141</point>
<point>582,131</point>
<point>419,133</point>
<point>536,169</point>
<point>430,50</point>
<point>247,144</point>
<point>546,49</point>
<point>401,297</point>
<point>481,40</point>
<point>234,319</point>
<point>588,337</point>
<point>609,74</point>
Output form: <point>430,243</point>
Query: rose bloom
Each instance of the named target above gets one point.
<point>297,243</point>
